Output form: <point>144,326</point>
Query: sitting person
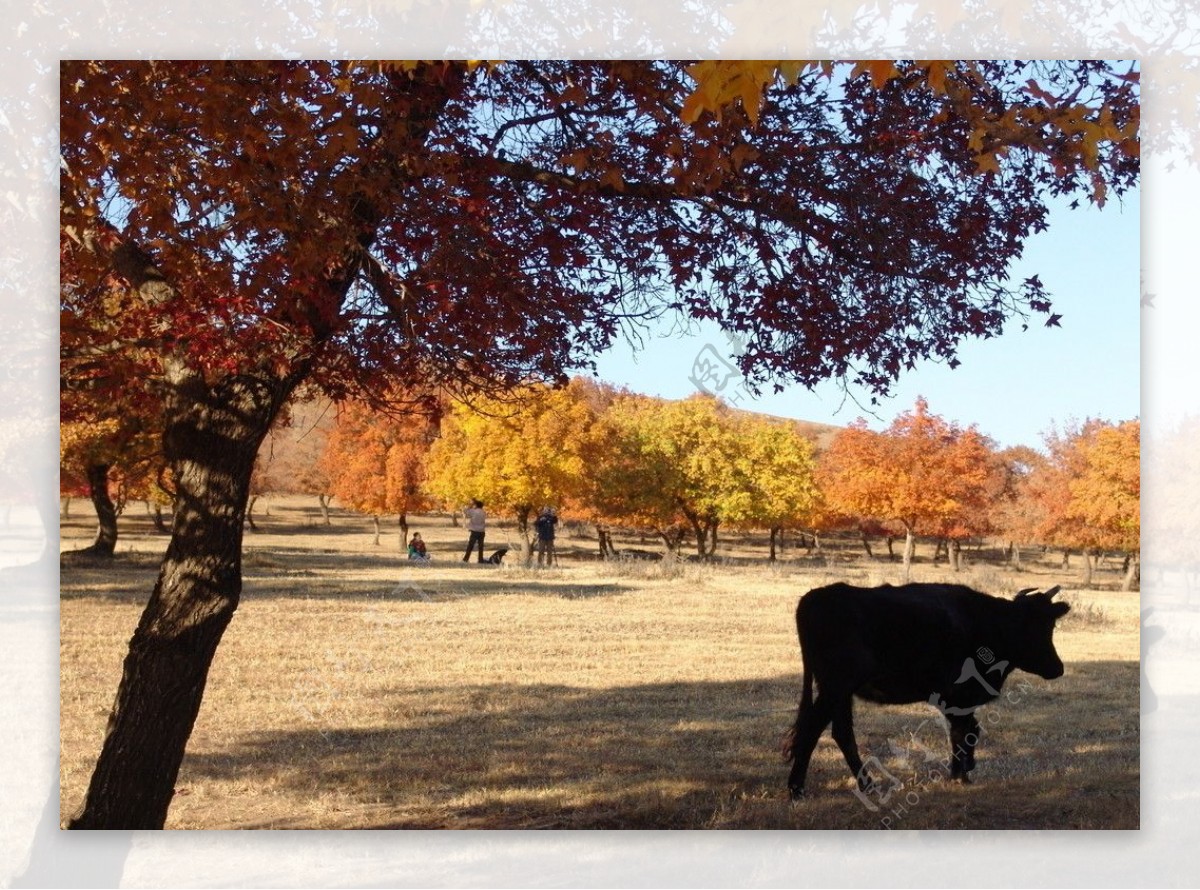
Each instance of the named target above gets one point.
<point>416,547</point>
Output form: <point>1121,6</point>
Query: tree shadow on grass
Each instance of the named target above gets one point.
<point>684,755</point>
<point>416,585</point>
<point>302,574</point>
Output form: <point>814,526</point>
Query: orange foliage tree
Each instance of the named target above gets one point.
<point>1106,495</point>
<point>924,473</point>
<point>1017,513</point>
<point>289,461</point>
<point>376,462</point>
<point>1089,492</point>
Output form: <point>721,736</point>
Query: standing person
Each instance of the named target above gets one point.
<point>476,521</point>
<point>544,525</point>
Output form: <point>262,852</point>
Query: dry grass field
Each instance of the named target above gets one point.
<point>355,689</point>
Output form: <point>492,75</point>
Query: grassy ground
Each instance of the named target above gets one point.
<point>357,690</point>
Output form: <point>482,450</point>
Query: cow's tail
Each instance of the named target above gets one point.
<point>806,698</point>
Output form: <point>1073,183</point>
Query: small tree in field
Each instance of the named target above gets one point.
<point>1106,496</point>
<point>922,472</point>
<point>290,458</point>
<point>233,230</point>
<point>672,467</point>
<point>779,463</point>
<point>1016,512</point>
<point>1089,492</point>
<point>109,459</point>
<point>376,463</point>
<point>516,454</point>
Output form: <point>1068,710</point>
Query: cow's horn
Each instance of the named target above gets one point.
<point>1053,590</point>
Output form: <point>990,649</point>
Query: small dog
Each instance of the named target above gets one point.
<point>498,557</point>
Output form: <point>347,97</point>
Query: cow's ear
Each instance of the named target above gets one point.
<point>1058,610</point>
<point>1025,592</point>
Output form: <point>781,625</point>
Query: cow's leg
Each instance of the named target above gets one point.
<point>964,735</point>
<point>843,734</point>
<point>811,721</point>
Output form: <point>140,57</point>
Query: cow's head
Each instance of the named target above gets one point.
<point>1034,646</point>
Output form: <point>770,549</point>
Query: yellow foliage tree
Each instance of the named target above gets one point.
<point>779,462</point>
<point>516,454</point>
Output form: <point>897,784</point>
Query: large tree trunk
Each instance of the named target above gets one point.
<point>212,434</point>
<point>106,512</point>
<point>323,500</point>
<point>403,523</point>
<point>775,530</point>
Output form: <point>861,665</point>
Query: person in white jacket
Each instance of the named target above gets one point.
<point>476,523</point>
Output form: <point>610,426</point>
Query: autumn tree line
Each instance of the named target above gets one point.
<point>683,471</point>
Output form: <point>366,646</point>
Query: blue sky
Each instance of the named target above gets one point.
<point>1014,387</point>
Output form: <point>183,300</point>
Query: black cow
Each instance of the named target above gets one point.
<point>942,643</point>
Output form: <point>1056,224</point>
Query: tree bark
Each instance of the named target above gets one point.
<point>910,544</point>
<point>523,513</point>
<point>673,539</point>
<point>212,434</point>
<point>774,535</point>
<point>1088,567</point>
<point>105,543</point>
<point>323,500</point>
<point>937,549</point>
<point>250,513</point>
<point>604,537</point>
<point>699,530</point>
<point>403,522</point>
<point>1133,572</point>
<point>375,521</point>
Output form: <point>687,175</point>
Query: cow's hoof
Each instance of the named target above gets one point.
<point>795,794</point>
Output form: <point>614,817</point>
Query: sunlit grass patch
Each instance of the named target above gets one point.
<point>354,690</point>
